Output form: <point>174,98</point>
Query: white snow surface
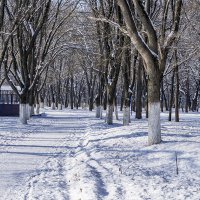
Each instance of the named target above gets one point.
<point>71,155</point>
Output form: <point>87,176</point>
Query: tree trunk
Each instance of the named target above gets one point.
<point>147,106</point>
<point>165,100</point>
<point>109,114</point>
<point>122,100</point>
<point>105,100</point>
<point>59,106</point>
<point>59,96</point>
<point>72,93</point>
<point>41,101</point>
<point>126,110</point>
<point>110,103</point>
<point>91,99</point>
<point>187,95</point>
<point>172,98</point>
<point>98,106</point>
<point>177,90</point>
<point>162,97</point>
<point>154,129</point>
<point>116,109</point>
<point>37,107</point>
<point>23,115</point>
<point>195,99</point>
<point>53,105</point>
<point>128,86</point>
<point>23,109</point>
<point>139,91</point>
<point>126,115</point>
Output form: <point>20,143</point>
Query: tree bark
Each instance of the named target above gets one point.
<point>138,114</point>
<point>98,106</point>
<point>171,98</point>
<point>187,95</point>
<point>24,109</point>
<point>154,129</point>
<point>177,89</point>
<point>72,92</point>
<point>195,99</point>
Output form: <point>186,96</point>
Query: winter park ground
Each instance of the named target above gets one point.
<point>72,155</point>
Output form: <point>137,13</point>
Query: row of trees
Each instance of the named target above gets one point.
<point>32,36</point>
<point>136,54</point>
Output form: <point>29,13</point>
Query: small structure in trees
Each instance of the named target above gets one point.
<point>9,102</point>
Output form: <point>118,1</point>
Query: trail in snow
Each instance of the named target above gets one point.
<point>36,151</point>
<point>70,155</point>
<point>88,178</point>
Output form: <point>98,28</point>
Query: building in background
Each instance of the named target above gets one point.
<point>9,101</point>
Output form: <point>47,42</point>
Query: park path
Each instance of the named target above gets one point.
<point>50,159</point>
<point>30,153</point>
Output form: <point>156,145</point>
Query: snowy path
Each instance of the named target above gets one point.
<point>71,155</point>
<point>34,155</point>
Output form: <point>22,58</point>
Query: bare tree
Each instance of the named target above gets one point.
<point>153,54</point>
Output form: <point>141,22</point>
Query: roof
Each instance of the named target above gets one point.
<point>8,88</point>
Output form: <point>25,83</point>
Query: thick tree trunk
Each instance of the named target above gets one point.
<point>24,109</point>
<point>154,129</point>
<point>23,113</point>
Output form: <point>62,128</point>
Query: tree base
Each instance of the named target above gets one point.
<point>109,114</point>
<point>154,131</point>
<point>126,116</point>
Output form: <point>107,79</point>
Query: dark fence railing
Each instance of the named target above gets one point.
<point>9,109</point>
<point>9,104</point>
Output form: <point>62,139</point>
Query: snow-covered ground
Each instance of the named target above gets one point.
<point>71,155</point>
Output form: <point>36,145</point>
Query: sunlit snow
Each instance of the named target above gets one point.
<point>72,155</point>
